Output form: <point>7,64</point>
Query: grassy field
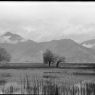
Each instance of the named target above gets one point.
<point>70,73</point>
<point>61,77</point>
<point>67,76</point>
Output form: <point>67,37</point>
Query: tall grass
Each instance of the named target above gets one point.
<point>41,86</point>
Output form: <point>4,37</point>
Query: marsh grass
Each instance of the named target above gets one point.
<point>49,83</point>
<point>47,87</point>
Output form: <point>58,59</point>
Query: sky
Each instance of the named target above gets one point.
<point>45,21</point>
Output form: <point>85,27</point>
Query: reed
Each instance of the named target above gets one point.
<point>40,86</point>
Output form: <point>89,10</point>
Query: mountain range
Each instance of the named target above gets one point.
<point>28,51</point>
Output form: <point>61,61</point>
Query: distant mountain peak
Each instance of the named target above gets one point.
<point>89,43</point>
<point>8,34</point>
<point>9,37</point>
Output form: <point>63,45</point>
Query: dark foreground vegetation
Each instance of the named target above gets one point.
<point>48,87</point>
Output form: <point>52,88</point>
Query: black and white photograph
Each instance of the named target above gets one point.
<point>47,48</point>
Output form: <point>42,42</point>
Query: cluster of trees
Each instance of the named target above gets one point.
<point>48,57</point>
<point>5,57</point>
<point>51,58</point>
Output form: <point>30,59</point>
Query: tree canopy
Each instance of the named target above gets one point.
<point>48,57</point>
<point>51,58</point>
<point>4,55</point>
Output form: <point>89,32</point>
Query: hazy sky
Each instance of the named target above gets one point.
<point>41,21</point>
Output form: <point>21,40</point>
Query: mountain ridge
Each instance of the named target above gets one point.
<point>31,51</point>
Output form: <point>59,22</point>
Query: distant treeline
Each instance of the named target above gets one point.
<point>41,65</point>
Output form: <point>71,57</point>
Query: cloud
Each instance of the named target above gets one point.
<point>41,21</point>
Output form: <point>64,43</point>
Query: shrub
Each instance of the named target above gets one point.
<point>4,56</point>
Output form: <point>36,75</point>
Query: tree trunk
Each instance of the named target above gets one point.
<point>49,64</point>
<point>57,64</point>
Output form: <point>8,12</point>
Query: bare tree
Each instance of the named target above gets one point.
<point>51,58</point>
<point>4,55</point>
<point>59,60</point>
<point>48,57</point>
